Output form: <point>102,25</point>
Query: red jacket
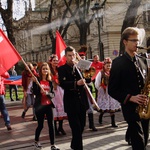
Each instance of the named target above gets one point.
<point>97,65</point>
<point>2,87</point>
<point>25,76</point>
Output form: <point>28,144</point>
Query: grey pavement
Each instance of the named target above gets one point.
<point>22,135</point>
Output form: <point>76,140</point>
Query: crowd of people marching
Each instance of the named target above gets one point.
<point>57,92</point>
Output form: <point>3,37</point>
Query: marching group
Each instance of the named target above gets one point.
<point>58,93</point>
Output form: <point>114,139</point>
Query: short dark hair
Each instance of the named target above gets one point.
<point>95,55</point>
<point>34,64</point>
<point>69,49</point>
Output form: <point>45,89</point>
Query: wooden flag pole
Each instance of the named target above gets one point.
<point>32,74</point>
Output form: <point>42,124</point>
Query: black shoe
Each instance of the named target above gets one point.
<point>93,128</point>
<point>12,99</point>
<point>23,114</point>
<point>128,141</point>
<point>17,99</point>
<point>114,125</point>
<point>34,119</point>
<point>62,131</point>
<point>8,127</point>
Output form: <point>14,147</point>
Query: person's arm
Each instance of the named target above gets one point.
<point>64,83</point>
<point>98,80</point>
<point>36,89</point>
<point>115,89</point>
<point>15,73</point>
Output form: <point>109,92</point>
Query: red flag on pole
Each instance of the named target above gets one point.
<point>8,55</point>
<point>60,49</point>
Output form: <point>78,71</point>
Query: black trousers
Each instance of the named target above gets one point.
<point>40,114</point>
<point>77,124</point>
<point>10,91</point>
<point>139,133</point>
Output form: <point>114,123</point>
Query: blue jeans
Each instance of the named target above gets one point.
<point>4,110</point>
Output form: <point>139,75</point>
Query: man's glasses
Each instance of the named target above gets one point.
<point>133,40</point>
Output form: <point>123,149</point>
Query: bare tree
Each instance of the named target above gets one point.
<point>7,17</point>
<point>80,15</point>
<point>130,19</point>
<point>63,27</point>
<point>81,12</point>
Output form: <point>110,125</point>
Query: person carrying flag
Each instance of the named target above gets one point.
<point>75,97</point>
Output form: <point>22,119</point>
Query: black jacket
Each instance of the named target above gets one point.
<point>37,93</point>
<point>126,80</point>
<point>75,97</point>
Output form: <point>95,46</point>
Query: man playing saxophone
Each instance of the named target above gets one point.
<point>126,81</point>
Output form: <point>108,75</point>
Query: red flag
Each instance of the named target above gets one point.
<point>8,55</point>
<point>60,49</point>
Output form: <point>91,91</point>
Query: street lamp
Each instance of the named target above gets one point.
<point>98,11</point>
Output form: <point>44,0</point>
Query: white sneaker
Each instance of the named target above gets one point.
<point>37,145</point>
<point>54,147</point>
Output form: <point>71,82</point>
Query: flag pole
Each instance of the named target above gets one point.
<point>32,74</point>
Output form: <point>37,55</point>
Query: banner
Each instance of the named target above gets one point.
<point>60,49</point>
<point>13,80</point>
<point>8,54</point>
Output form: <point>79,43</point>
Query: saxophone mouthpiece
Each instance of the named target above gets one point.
<point>141,47</point>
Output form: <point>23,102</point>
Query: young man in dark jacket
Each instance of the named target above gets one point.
<point>75,98</point>
<point>126,81</point>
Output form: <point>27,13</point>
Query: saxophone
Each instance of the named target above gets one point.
<point>144,110</point>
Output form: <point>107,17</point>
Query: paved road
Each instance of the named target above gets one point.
<point>22,135</point>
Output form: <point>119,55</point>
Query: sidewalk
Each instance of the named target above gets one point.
<point>22,135</point>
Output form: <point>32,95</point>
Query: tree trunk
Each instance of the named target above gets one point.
<point>7,17</point>
<point>129,20</point>
<point>83,34</point>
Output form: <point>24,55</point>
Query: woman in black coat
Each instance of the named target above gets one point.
<point>44,105</point>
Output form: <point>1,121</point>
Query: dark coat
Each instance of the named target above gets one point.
<point>125,81</point>
<point>75,97</point>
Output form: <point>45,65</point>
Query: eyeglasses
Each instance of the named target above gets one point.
<point>133,40</point>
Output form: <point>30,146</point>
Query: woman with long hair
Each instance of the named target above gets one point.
<point>44,105</point>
